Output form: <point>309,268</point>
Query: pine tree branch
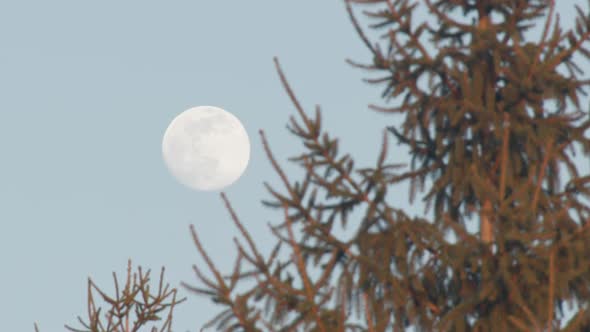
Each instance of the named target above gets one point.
<point>309,289</point>
<point>358,27</point>
<point>135,298</point>
<point>220,282</point>
<point>448,20</point>
<point>543,41</point>
<point>311,128</point>
<point>243,231</point>
<point>223,292</point>
<point>567,53</point>
<point>297,201</point>
<point>258,262</point>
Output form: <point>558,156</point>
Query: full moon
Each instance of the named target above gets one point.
<point>206,148</point>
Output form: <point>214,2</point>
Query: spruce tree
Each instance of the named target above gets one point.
<point>492,119</point>
<point>492,116</point>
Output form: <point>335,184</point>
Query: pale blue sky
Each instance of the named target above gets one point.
<point>87,91</point>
